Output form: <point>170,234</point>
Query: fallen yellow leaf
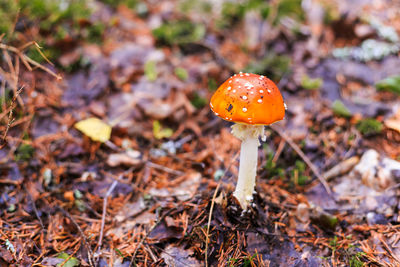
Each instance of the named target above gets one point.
<point>94,128</point>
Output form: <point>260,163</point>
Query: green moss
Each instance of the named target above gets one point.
<point>334,243</point>
<point>179,32</point>
<point>354,260</point>
<point>181,73</point>
<point>159,132</point>
<point>6,99</point>
<point>231,12</point>
<point>329,221</point>
<point>8,15</point>
<point>289,8</point>
<point>150,70</point>
<point>232,262</point>
<point>59,18</point>
<point>116,3</point>
<point>198,101</point>
<point>55,12</point>
<point>95,32</point>
<point>310,83</point>
<point>369,127</point>
<point>272,65</point>
<point>390,84</point>
<point>212,85</point>
<point>297,174</point>
<point>249,260</point>
<point>340,109</point>
<point>196,6</point>
<point>270,166</point>
<point>24,152</point>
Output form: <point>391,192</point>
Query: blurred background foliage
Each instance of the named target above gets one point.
<point>59,24</point>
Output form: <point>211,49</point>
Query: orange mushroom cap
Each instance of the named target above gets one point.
<point>250,99</point>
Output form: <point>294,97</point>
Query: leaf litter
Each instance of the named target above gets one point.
<point>142,193</point>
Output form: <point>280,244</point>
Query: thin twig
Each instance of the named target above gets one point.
<point>303,157</point>
<point>103,217</point>
<point>209,222</point>
<point>163,168</point>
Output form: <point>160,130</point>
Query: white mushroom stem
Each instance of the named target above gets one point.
<point>249,135</point>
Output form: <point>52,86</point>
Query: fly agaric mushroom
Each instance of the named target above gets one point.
<point>250,101</point>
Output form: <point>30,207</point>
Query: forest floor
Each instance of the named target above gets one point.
<point>152,186</point>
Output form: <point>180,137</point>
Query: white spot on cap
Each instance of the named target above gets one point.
<point>229,88</point>
<point>244,109</point>
<point>216,113</point>
<point>284,104</point>
<point>226,118</point>
<point>230,81</point>
<point>261,91</point>
<point>259,100</point>
<point>247,74</point>
<point>236,80</point>
<point>248,85</point>
<point>244,97</point>
<point>251,92</point>
<point>269,91</point>
<point>234,91</point>
<point>240,72</point>
<point>261,77</point>
<point>239,86</point>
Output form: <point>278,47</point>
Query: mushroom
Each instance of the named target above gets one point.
<point>250,101</point>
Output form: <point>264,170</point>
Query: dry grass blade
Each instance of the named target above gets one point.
<point>3,140</point>
<point>212,208</point>
<point>27,60</point>
<point>38,65</point>
<point>209,223</point>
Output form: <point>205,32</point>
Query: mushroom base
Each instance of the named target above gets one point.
<point>249,135</point>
